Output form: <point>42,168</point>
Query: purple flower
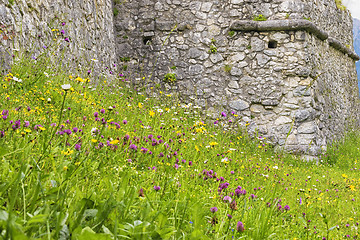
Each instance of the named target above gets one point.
<point>75,129</point>
<point>133,147</point>
<point>26,123</point>
<point>68,131</point>
<point>216,122</point>
<point>240,227</point>
<point>125,122</point>
<point>190,163</point>
<point>96,114</point>
<point>287,208</point>
<point>227,198</point>
<point>63,24</point>
<point>229,216</point>
<point>102,111</point>
<point>223,114</point>
<point>77,147</point>
<point>67,39</point>
<point>144,150</point>
<point>157,188</point>
<point>213,209</point>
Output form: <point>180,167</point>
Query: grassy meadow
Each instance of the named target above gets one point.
<point>85,159</point>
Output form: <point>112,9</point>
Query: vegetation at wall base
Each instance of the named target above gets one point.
<point>87,159</point>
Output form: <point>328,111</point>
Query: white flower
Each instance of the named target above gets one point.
<point>66,87</point>
<point>49,99</point>
<point>94,60</point>
<point>275,167</point>
<point>47,75</point>
<point>160,110</point>
<point>93,131</point>
<point>17,79</point>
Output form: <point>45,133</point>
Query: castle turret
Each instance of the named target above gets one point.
<point>286,67</point>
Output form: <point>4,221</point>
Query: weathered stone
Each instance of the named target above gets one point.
<point>291,140</point>
<point>233,84</point>
<point>216,57</point>
<point>239,105</point>
<point>238,57</point>
<point>302,91</point>
<point>302,115</point>
<point>206,6</point>
<point>196,69</point>
<point>262,59</point>
<point>194,53</point>
<point>308,127</point>
<point>282,120</point>
<point>235,71</point>
<point>270,102</point>
<point>256,108</point>
<point>257,44</point>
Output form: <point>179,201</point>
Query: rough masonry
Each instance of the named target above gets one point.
<point>30,25</point>
<point>290,78</point>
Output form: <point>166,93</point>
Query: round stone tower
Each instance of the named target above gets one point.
<point>286,67</point>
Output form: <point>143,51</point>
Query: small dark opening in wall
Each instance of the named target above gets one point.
<point>272,44</point>
<point>147,40</point>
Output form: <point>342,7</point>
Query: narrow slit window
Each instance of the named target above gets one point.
<point>147,40</point>
<point>272,44</point>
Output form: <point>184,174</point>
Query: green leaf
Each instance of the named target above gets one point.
<point>88,234</point>
<point>41,218</point>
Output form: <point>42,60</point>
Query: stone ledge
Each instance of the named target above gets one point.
<point>292,25</point>
<point>339,46</point>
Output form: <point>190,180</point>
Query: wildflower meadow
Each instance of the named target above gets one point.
<point>87,157</point>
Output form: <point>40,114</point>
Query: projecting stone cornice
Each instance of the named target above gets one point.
<point>292,25</point>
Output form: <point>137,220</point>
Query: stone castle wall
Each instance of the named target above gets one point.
<point>292,77</point>
<point>89,28</point>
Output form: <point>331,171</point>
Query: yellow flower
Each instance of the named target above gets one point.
<point>113,142</point>
<point>94,140</point>
<point>197,148</point>
<point>344,175</point>
<point>68,152</point>
<point>151,113</point>
<point>79,79</point>
<point>42,128</point>
<point>352,187</point>
<point>27,130</point>
<point>65,168</point>
<point>140,105</point>
<point>213,143</point>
